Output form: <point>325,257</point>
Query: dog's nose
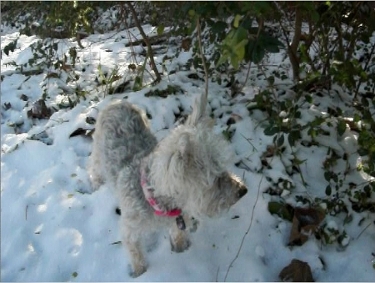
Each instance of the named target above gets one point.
<point>242,192</point>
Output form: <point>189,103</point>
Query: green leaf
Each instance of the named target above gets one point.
<point>191,13</point>
<point>364,101</point>
<point>257,54</point>
<point>312,132</point>
<point>298,162</point>
<point>293,137</point>
<point>372,184</point>
<point>271,44</point>
<point>328,190</point>
<point>341,127</point>
<point>236,21</point>
<point>137,83</point>
<point>285,211</point>
<point>240,34</point>
<point>362,152</point>
<point>239,50</point>
<point>55,46</point>
<point>315,16</point>
<point>233,47</point>
<point>249,50</point>
<point>308,98</point>
<point>160,29</point>
<point>271,130</point>
<point>280,141</point>
<point>227,135</point>
<point>327,176</point>
<point>223,58</point>
<point>335,177</point>
<point>10,47</point>
<point>271,48</point>
<point>192,26</point>
<point>234,61</point>
<point>218,27</point>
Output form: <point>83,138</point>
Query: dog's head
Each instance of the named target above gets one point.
<point>190,166</point>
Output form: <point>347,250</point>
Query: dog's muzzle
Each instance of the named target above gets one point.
<point>241,192</point>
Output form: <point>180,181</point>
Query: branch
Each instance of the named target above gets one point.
<point>260,27</point>
<point>150,52</point>
<point>204,98</point>
<point>294,46</point>
<point>199,108</point>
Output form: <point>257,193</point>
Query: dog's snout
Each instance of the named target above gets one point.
<point>241,192</point>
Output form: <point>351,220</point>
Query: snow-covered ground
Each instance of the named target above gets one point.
<point>54,228</point>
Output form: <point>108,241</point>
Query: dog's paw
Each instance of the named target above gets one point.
<point>137,271</point>
<point>193,225</point>
<point>180,246</point>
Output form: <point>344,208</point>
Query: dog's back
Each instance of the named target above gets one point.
<point>121,135</point>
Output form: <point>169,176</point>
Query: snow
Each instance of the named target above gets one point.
<point>54,228</point>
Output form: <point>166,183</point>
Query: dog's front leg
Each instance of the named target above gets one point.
<point>179,239</point>
<point>138,262</point>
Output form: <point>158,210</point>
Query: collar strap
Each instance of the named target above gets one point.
<point>148,191</point>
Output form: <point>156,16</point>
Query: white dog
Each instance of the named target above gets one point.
<point>162,184</point>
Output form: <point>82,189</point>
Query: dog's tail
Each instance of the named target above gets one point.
<point>199,110</point>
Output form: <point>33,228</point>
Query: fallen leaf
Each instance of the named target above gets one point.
<point>39,110</point>
<point>82,132</point>
<point>305,222</point>
<point>296,271</point>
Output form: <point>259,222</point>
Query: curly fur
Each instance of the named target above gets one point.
<point>187,169</point>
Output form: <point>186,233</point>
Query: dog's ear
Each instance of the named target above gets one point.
<point>207,122</point>
<point>184,146</point>
<point>199,110</point>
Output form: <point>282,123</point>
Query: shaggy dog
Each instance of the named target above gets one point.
<point>162,184</point>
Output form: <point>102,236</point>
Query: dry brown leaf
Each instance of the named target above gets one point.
<point>39,110</point>
<point>82,132</point>
<point>296,271</point>
<point>305,222</point>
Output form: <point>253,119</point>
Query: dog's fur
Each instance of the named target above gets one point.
<point>187,170</point>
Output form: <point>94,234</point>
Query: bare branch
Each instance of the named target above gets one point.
<point>150,52</point>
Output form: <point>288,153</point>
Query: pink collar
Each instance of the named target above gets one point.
<point>148,191</point>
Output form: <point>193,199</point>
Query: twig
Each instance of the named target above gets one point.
<point>204,100</point>
<point>299,170</point>
<point>260,27</point>
<point>293,46</point>
<point>248,140</point>
<point>247,231</point>
<point>363,230</point>
<point>129,34</point>
<point>247,74</point>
